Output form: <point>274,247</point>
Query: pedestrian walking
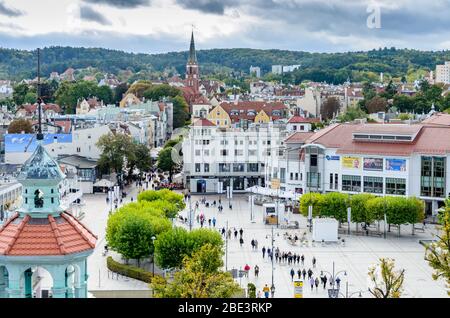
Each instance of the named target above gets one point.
<point>258,295</point>
<point>241,241</point>
<point>229,233</point>
<point>316,282</point>
<point>214,221</point>
<point>256,270</point>
<point>299,273</point>
<point>264,251</point>
<point>314,262</point>
<point>311,282</point>
<point>253,244</point>
<point>310,272</point>
<point>324,281</point>
<point>266,291</point>
<point>303,260</point>
<point>304,274</point>
<point>256,244</point>
<point>338,283</point>
<point>209,222</point>
<point>223,231</point>
<point>246,269</point>
<point>241,231</point>
<point>292,274</point>
<point>235,233</point>
<point>201,222</point>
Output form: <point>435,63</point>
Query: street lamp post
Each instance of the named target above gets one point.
<point>190,213</point>
<point>153,260</point>
<point>334,275</point>
<point>226,249</point>
<point>272,288</point>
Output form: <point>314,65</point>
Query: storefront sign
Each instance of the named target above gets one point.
<point>333,158</point>
<point>373,164</point>
<point>351,162</point>
<point>395,164</point>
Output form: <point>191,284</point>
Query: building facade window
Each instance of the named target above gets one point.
<point>224,167</point>
<point>351,183</point>
<point>336,181</point>
<point>238,167</point>
<point>252,167</point>
<point>313,161</point>
<point>396,186</point>
<point>206,167</point>
<point>313,180</point>
<point>432,177</point>
<point>283,175</point>
<point>331,181</point>
<point>373,184</point>
<point>197,167</point>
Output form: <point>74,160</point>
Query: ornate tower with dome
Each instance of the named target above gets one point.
<point>41,242</point>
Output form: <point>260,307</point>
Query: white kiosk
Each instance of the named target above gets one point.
<point>325,229</point>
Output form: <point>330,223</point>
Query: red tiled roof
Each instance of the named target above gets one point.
<point>203,122</point>
<point>430,140</point>
<point>45,236</point>
<point>245,106</point>
<point>301,119</point>
<point>299,137</point>
<point>439,119</point>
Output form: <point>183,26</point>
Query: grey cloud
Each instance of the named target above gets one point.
<point>8,11</point>
<point>208,6</point>
<point>89,14</point>
<point>125,4</point>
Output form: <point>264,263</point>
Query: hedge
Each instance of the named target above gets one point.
<point>128,270</point>
<point>365,207</point>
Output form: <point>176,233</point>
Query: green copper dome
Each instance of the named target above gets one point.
<point>41,166</point>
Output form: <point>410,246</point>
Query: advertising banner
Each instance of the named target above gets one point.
<point>373,164</point>
<point>351,162</point>
<point>28,142</point>
<point>298,289</point>
<point>395,164</point>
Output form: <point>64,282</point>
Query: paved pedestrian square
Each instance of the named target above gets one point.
<point>355,257</point>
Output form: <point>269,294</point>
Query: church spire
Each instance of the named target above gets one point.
<point>192,53</point>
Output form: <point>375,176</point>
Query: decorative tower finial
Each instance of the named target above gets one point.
<point>39,136</point>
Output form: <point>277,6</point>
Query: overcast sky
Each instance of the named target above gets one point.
<point>155,26</point>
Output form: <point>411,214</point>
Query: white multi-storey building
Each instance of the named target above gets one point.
<point>234,156</point>
<point>443,73</point>
<point>382,159</point>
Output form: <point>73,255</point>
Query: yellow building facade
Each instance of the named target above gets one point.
<point>219,117</point>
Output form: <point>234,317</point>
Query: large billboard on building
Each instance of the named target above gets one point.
<point>351,162</point>
<point>395,164</point>
<point>28,143</point>
<point>373,164</point>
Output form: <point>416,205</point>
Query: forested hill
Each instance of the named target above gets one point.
<point>330,67</point>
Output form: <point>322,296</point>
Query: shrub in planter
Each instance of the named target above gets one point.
<point>251,290</point>
<point>128,270</point>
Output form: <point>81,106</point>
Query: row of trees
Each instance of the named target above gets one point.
<point>422,101</point>
<point>130,230</point>
<point>365,208</point>
<point>66,94</point>
<point>142,228</point>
